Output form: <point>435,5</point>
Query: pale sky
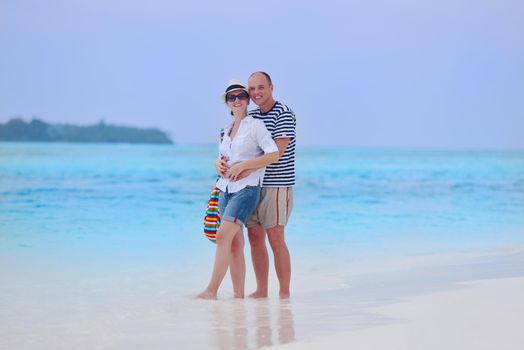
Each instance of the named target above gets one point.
<point>407,73</point>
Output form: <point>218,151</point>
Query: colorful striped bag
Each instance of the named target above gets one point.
<point>212,217</point>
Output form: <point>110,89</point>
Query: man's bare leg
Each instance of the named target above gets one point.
<point>282,259</point>
<point>237,268</point>
<point>260,259</point>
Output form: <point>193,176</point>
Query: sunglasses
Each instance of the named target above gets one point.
<point>241,96</point>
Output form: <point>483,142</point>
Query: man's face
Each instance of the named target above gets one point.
<point>259,88</point>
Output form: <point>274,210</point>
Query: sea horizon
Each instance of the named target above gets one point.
<point>301,146</point>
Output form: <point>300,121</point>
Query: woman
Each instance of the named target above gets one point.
<point>246,145</point>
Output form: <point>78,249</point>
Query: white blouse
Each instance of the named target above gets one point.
<point>251,141</point>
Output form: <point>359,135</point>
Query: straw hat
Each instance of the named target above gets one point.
<point>233,85</point>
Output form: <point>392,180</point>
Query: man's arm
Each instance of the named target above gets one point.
<point>234,172</point>
<point>282,144</point>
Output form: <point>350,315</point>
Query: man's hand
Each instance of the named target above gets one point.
<point>221,166</point>
<point>235,171</point>
<point>246,173</point>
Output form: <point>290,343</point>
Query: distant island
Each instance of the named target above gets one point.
<point>37,130</point>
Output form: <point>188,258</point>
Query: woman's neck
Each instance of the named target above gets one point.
<point>238,117</point>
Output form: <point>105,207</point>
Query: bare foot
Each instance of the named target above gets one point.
<point>258,295</point>
<point>207,295</point>
<point>283,295</point>
<point>238,295</point>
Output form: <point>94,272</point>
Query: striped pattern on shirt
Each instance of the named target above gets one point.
<point>281,123</point>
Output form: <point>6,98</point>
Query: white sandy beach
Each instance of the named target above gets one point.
<point>450,301</point>
<point>486,314</point>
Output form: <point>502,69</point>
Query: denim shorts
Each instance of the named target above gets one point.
<point>238,206</point>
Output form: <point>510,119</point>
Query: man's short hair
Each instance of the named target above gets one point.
<point>264,74</point>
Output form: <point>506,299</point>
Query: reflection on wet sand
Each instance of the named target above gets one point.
<point>263,324</point>
<point>248,324</point>
<point>286,329</point>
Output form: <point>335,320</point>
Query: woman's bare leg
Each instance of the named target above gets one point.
<point>237,268</point>
<point>225,235</point>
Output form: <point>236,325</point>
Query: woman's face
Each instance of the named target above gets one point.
<point>237,100</point>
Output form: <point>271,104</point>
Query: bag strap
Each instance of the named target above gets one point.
<point>221,139</point>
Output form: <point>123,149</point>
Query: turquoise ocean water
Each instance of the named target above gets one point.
<point>101,246</point>
<point>126,199</point>
<point>134,205</point>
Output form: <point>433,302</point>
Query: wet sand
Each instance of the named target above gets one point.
<point>452,301</point>
<point>481,315</point>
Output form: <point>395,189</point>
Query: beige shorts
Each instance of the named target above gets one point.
<point>274,208</point>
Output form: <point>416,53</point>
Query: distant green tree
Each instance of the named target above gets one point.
<point>17,129</point>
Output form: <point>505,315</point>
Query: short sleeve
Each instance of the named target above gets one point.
<point>263,138</point>
<point>285,125</point>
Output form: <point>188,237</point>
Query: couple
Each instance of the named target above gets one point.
<point>256,165</point>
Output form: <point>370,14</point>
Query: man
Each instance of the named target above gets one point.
<point>276,201</point>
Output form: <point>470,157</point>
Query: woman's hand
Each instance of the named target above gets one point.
<point>221,166</point>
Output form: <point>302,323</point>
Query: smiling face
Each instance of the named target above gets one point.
<point>237,101</point>
<point>261,91</point>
